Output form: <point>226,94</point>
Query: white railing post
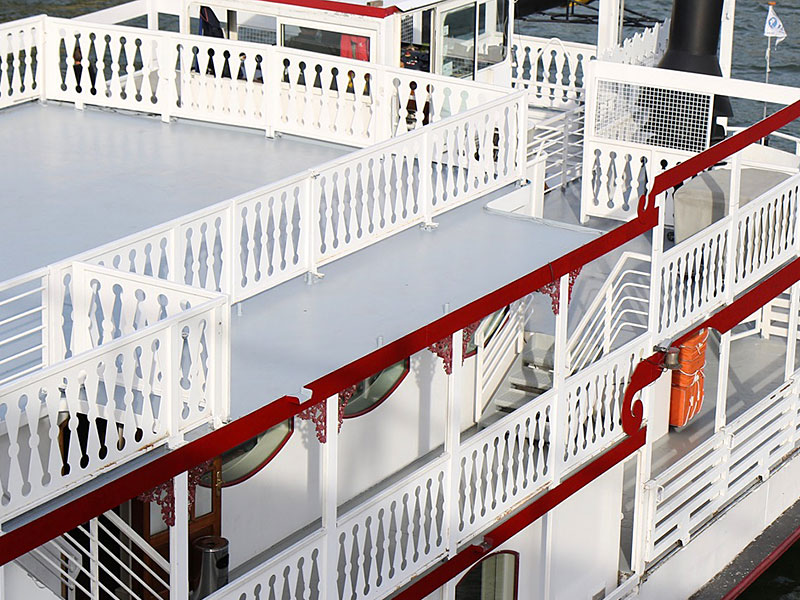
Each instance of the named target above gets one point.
<point>522,138</point>
<point>560,407</point>
<point>607,308</point>
<point>172,386</point>
<point>152,15</point>
<point>329,496</point>
<point>176,257</point>
<point>565,150</point>
<point>94,558</point>
<point>167,92</point>
<point>654,303</point>
<point>791,334</point>
<point>733,213</point>
<point>426,197</point>
<point>231,244</point>
<point>722,381</point>
<point>480,353</point>
<point>272,73</point>
<point>311,209</point>
<point>452,449</point>
<point>222,378</point>
<point>179,540</point>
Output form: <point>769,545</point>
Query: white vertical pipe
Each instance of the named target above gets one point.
<point>608,29</point>
<point>329,486</point>
<point>152,15</point>
<point>94,551</point>
<point>722,381</point>
<point>452,442</point>
<point>791,336</point>
<point>726,37</point>
<point>559,376</point>
<point>179,540</point>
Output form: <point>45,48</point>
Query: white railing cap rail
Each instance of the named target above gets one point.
<point>22,22</point>
<point>695,83</point>
<point>417,475</point>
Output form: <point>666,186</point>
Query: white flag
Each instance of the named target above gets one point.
<point>773,27</point>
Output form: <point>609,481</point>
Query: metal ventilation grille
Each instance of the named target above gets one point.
<point>257,35</point>
<point>674,119</point>
<point>407,29</point>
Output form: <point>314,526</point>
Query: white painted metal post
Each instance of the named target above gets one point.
<point>310,207</point>
<point>167,91</point>
<point>522,138</point>
<point>172,383</point>
<point>425,192</point>
<point>565,150</point>
<point>152,15</point>
<point>329,486</point>
<point>222,377</point>
<point>94,557</point>
<point>608,30</point>
<point>179,540</point>
<point>452,443</point>
<point>791,335</point>
<point>559,432</point>
<point>184,23</point>
<point>656,258</point>
<point>722,381</point>
<point>479,359</point>
<point>726,37</point>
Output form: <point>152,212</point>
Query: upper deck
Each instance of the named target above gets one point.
<point>76,180</point>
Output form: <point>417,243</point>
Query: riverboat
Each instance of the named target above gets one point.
<point>324,300</point>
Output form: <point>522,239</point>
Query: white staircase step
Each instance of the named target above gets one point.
<point>532,379</point>
<point>539,350</point>
<point>510,399</point>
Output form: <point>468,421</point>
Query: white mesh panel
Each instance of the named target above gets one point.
<point>653,116</point>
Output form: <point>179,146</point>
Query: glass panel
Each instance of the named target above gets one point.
<point>326,42</point>
<point>250,457</point>
<point>489,325</point>
<point>202,501</point>
<point>157,524</point>
<point>494,578</point>
<point>415,48</point>
<point>261,29</point>
<point>492,42</point>
<point>374,390</point>
<point>458,31</point>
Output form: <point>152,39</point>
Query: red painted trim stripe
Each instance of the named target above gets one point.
<point>765,564</point>
<point>429,583</point>
<point>341,7</point>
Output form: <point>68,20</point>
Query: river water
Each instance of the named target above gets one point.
<point>782,581</point>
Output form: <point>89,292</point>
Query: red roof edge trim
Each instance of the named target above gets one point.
<point>363,10</point>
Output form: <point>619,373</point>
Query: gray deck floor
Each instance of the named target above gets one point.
<point>73,180</point>
<point>295,333</point>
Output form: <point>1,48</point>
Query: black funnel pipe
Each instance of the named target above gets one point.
<point>693,42</point>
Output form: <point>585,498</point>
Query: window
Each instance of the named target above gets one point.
<point>374,390</point>
<point>489,326</point>
<point>247,459</point>
<point>459,42</point>
<point>326,42</point>
<point>494,578</point>
<point>492,33</point>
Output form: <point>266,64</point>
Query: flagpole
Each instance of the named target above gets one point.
<point>766,74</point>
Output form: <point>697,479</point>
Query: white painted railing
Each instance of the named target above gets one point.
<point>504,464</point>
<point>396,535</point>
<point>21,60</point>
<point>71,421</point>
<point>560,139</point>
<point>260,239</point>
<point>25,323</point>
<point>688,494</point>
<point>618,311</point>
<point>696,273</point>
<point>403,530</point>
<point>104,558</point>
<point>494,356</point>
<point>643,48</point>
<point>246,84</point>
<point>553,71</point>
<point>591,410</point>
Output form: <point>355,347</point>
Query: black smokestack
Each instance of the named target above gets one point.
<point>693,42</point>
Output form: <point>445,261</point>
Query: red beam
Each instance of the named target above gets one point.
<point>341,7</point>
<point>493,539</point>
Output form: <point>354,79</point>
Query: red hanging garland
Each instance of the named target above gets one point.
<point>164,493</point>
<point>316,413</point>
<point>444,350</point>
<point>552,289</point>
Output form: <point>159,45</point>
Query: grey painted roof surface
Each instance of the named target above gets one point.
<point>73,180</point>
<point>294,333</point>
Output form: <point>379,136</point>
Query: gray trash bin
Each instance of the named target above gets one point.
<point>214,558</point>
